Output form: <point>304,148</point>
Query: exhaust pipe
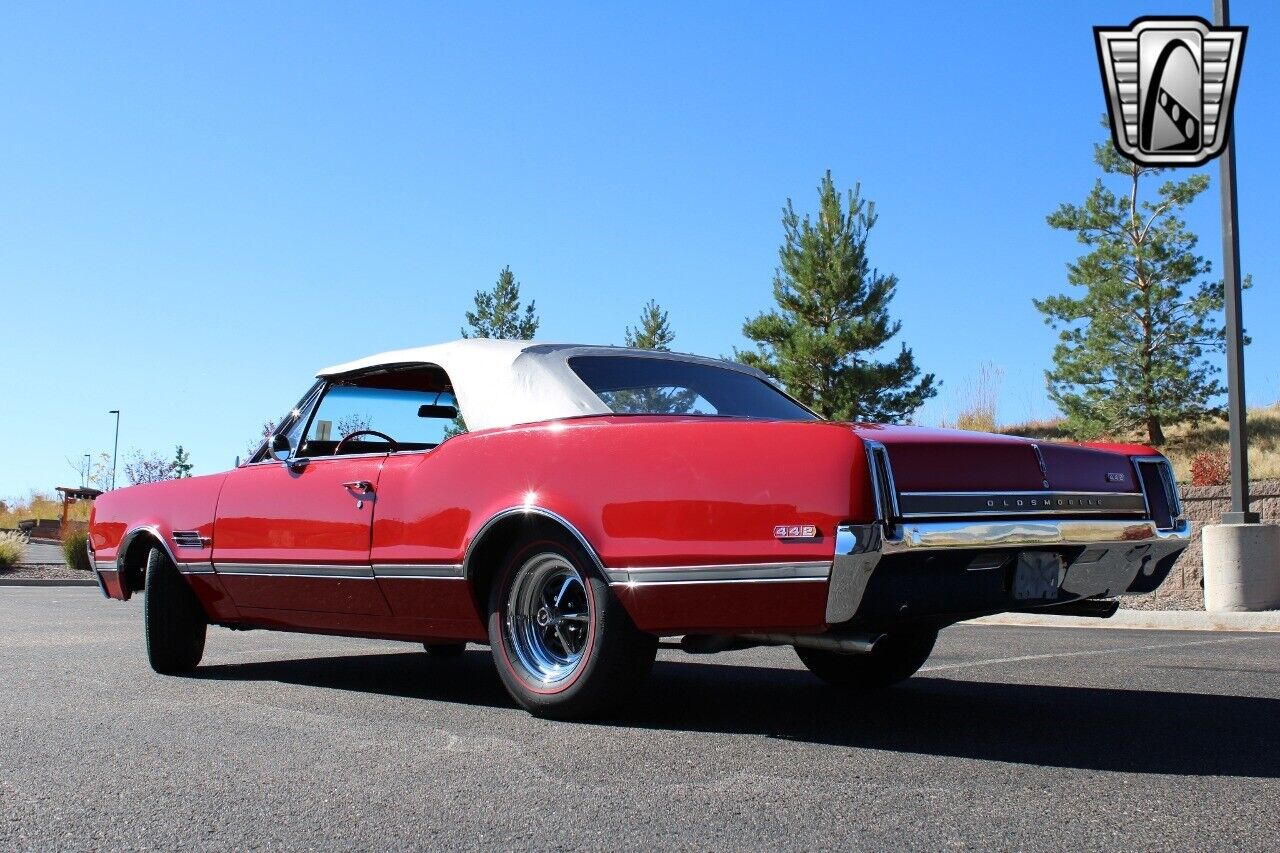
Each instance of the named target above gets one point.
<point>1090,607</point>
<point>845,644</point>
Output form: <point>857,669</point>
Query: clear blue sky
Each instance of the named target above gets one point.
<point>201,204</point>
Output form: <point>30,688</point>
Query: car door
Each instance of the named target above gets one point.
<point>294,535</point>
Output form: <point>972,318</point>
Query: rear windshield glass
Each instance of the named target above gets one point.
<point>635,385</point>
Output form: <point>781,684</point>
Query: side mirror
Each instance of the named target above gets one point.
<point>280,447</point>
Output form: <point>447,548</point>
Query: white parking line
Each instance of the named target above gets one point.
<point>1089,653</point>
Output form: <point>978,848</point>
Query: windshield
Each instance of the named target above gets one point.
<point>635,385</point>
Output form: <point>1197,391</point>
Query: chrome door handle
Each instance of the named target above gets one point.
<point>358,485</point>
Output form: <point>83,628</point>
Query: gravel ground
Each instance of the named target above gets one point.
<point>1008,739</point>
<point>44,572</point>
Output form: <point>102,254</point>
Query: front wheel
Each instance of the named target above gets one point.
<point>895,658</point>
<point>563,645</point>
<point>174,619</point>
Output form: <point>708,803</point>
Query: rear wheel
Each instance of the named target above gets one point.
<point>895,658</point>
<point>174,619</point>
<point>563,645</point>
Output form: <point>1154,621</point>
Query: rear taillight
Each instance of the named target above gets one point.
<point>882,487</point>
<point>1155,474</point>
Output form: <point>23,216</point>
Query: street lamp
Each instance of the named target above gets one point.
<point>1238,432</point>
<point>1241,553</point>
<point>84,472</point>
<point>115,447</point>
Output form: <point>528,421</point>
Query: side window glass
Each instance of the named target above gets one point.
<point>354,420</point>
<point>293,423</point>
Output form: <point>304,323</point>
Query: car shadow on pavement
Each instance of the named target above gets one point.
<point>468,680</point>
<point>1095,728</point>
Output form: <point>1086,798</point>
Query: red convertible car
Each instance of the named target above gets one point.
<point>569,505</point>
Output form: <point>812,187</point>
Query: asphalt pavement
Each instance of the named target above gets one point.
<point>43,554</point>
<point>1012,737</point>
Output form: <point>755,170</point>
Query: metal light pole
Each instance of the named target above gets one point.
<point>84,473</point>
<point>1239,430</point>
<point>115,447</point>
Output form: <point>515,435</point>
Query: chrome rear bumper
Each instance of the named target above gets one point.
<point>936,535</point>
<point>1114,553</point>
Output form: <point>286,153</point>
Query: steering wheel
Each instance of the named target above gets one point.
<point>391,441</point>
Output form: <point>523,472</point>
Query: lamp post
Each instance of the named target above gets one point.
<point>1241,554</point>
<point>115,447</point>
<point>84,472</point>
<point>1236,412</point>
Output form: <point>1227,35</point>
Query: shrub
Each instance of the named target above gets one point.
<point>12,546</point>
<point>75,552</point>
<point>1211,468</point>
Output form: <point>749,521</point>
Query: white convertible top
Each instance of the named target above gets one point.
<point>503,383</point>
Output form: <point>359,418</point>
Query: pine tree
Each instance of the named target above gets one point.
<point>181,463</point>
<point>1131,346</point>
<point>833,317</point>
<point>498,314</point>
<point>654,331</point>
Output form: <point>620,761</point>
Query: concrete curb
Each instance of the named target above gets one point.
<point>46,582</point>
<point>1151,620</point>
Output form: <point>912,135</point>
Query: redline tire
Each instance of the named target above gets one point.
<point>562,643</point>
<point>896,658</point>
<point>173,617</point>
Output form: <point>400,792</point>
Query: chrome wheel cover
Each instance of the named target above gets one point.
<point>548,618</point>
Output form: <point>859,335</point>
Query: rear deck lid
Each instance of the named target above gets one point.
<point>952,472</point>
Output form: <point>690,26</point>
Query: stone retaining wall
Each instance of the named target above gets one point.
<point>1205,505</point>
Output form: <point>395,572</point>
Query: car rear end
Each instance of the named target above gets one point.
<point>969,524</point>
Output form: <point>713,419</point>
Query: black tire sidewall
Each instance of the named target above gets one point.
<point>617,655</point>
<point>174,620</point>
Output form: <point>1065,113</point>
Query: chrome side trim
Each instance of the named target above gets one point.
<point>721,573</point>
<point>195,568</point>
<point>528,509</point>
<point>940,535</point>
<point>451,571</point>
<point>104,565</point>
<point>736,581</point>
<point>297,570</point>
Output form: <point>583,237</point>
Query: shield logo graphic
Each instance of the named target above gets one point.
<point>1170,84</point>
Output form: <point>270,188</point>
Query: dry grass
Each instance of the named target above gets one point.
<point>1185,442</point>
<point>12,545</point>
<point>39,505</point>
<point>978,400</point>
